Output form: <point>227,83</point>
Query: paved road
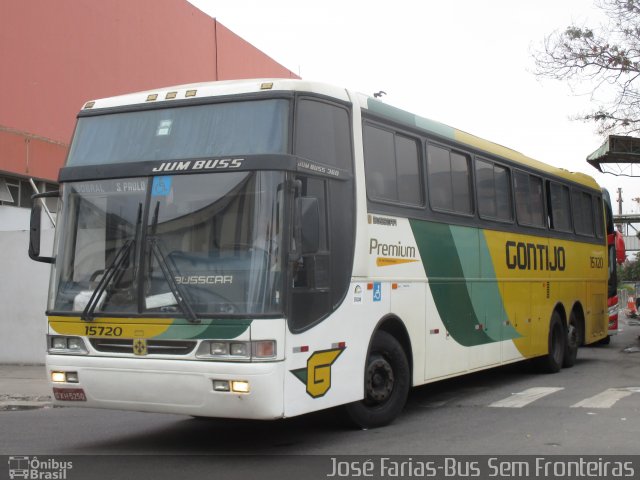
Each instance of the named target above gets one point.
<point>592,408</point>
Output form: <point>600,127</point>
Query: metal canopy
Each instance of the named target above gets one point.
<point>618,155</point>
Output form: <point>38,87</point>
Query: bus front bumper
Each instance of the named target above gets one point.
<point>168,386</point>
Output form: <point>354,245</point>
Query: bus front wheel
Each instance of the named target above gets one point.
<point>386,384</point>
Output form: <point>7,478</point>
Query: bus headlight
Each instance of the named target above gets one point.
<point>257,350</point>
<point>239,349</point>
<point>62,345</point>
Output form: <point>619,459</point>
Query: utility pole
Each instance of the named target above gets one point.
<point>619,200</point>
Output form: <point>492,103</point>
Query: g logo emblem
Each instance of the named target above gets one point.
<point>317,375</point>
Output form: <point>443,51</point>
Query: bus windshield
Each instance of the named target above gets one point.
<point>202,244</point>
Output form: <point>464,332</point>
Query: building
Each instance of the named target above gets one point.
<point>54,56</point>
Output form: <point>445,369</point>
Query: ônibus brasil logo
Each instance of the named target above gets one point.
<point>33,468</point>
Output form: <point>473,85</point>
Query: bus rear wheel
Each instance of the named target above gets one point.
<point>553,360</point>
<point>386,384</point>
<point>574,339</point>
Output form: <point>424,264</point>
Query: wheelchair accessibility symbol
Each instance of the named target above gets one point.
<point>377,291</point>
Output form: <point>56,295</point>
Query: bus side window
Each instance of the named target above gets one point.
<point>582,213</point>
<point>529,199</point>
<point>311,272</point>
<point>323,133</point>
<point>559,207</point>
<point>393,172</point>
<point>449,175</point>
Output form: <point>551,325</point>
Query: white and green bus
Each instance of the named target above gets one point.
<point>262,249</point>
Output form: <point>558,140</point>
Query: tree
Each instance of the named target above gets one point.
<point>629,271</point>
<point>608,58</point>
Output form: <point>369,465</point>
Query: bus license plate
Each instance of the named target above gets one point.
<point>69,394</point>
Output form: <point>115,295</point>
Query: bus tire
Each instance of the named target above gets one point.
<point>574,336</point>
<point>387,380</point>
<point>605,341</point>
<point>553,360</point>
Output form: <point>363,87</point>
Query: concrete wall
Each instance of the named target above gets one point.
<point>23,298</point>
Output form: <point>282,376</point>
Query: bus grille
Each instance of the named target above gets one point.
<point>154,347</point>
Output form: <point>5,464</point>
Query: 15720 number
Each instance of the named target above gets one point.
<point>102,331</point>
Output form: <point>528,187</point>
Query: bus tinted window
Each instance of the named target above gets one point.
<point>599,217</point>
<point>529,199</point>
<point>449,185</point>
<point>560,207</point>
<point>583,213</point>
<point>381,172</point>
<point>323,133</point>
<point>409,184</point>
<point>393,166</point>
<point>494,191</point>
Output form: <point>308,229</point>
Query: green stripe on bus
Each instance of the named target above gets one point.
<point>442,264</point>
<point>406,118</point>
<point>217,329</point>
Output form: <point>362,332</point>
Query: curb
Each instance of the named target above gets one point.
<point>23,402</point>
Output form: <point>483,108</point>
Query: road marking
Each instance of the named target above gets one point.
<point>520,399</point>
<point>607,398</point>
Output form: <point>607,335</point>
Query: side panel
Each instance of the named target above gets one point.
<point>324,365</point>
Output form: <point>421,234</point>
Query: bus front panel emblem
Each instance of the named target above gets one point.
<point>139,346</point>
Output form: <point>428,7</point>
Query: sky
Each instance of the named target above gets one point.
<point>466,63</point>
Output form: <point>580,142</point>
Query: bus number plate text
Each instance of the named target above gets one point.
<point>69,394</point>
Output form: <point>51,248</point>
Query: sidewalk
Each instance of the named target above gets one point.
<point>23,387</point>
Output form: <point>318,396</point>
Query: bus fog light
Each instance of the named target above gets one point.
<point>264,349</point>
<point>240,386</point>
<point>59,343</point>
<point>221,385</point>
<point>239,350</point>
<point>72,377</point>
<point>58,377</point>
<point>219,348</point>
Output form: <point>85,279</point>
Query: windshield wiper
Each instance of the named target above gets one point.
<point>110,272</point>
<point>108,275</point>
<point>169,275</point>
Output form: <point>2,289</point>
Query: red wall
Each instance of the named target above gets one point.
<point>28,155</point>
<point>55,55</point>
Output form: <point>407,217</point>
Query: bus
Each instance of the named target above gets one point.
<point>262,249</point>
<point>616,255</point>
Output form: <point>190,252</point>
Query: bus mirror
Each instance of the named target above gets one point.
<point>35,231</point>
<point>309,224</point>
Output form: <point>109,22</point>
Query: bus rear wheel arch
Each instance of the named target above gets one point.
<point>387,379</point>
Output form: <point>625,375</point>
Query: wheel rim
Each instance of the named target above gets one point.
<point>572,336</point>
<point>379,380</point>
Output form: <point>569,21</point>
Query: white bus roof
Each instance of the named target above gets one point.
<point>237,87</point>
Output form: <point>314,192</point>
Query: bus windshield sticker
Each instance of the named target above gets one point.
<point>161,186</point>
<point>164,128</point>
